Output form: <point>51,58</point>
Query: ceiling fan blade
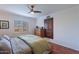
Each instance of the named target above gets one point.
<point>32,9</point>
<point>37,11</point>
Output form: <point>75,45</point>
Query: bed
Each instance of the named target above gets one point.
<point>24,44</point>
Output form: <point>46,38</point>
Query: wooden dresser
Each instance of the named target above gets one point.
<point>39,31</point>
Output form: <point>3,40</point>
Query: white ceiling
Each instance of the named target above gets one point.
<point>22,9</point>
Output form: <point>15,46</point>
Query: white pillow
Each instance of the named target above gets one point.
<point>7,37</point>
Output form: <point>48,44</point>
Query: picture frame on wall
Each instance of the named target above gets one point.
<point>4,24</point>
<point>20,26</point>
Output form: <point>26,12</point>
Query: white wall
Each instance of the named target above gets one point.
<point>11,17</point>
<point>40,21</point>
<point>66,27</point>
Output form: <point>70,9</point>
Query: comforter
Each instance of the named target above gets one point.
<point>26,44</point>
<point>38,44</point>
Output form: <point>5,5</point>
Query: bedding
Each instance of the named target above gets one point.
<point>4,46</point>
<point>19,47</point>
<point>39,45</point>
<point>26,44</point>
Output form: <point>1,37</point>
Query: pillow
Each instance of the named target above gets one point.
<point>7,37</point>
<point>4,45</point>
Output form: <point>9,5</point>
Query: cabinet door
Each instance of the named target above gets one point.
<point>48,24</point>
<point>49,33</point>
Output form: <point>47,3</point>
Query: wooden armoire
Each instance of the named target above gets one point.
<point>48,25</point>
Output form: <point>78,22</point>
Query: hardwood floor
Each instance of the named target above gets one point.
<point>58,49</point>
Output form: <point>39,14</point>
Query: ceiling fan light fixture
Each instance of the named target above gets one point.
<point>31,12</point>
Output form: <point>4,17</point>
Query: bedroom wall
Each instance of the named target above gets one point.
<point>66,27</point>
<point>11,17</point>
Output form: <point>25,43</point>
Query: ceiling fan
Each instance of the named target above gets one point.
<point>32,10</point>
